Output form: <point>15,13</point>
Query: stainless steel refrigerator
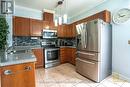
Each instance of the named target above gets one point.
<point>94,45</point>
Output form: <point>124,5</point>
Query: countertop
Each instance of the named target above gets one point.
<point>12,59</point>
<point>27,47</point>
<point>37,47</point>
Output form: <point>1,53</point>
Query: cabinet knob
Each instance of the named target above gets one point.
<point>7,72</point>
<point>28,68</point>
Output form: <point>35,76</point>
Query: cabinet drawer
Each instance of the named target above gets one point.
<point>87,68</point>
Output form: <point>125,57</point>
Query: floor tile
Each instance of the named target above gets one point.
<point>65,75</point>
<point>126,84</point>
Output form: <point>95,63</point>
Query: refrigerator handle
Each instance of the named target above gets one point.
<point>86,37</point>
<point>85,61</point>
<point>90,54</point>
<point>85,44</point>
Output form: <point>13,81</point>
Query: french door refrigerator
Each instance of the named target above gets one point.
<point>94,45</point>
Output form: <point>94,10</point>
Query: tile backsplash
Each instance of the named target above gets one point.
<point>26,41</point>
<point>67,42</point>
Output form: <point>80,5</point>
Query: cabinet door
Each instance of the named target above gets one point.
<point>21,26</point>
<point>68,31</point>
<point>48,16</point>
<point>63,55</point>
<point>39,53</point>
<point>22,75</point>
<point>73,30</point>
<point>46,24</point>
<point>62,31</point>
<point>36,27</point>
<point>73,56</point>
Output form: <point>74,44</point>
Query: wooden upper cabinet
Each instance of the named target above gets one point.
<point>48,16</point>
<point>36,27</point>
<point>66,31</point>
<point>46,24</point>
<point>40,57</point>
<point>62,31</point>
<point>72,27</point>
<point>21,26</point>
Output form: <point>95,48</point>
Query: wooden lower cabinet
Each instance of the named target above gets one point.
<point>39,53</point>
<point>63,55</point>
<point>68,55</point>
<point>21,75</point>
<point>72,55</point>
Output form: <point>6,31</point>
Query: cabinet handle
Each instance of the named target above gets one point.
<point>7,72</point>
<point>27,68</point>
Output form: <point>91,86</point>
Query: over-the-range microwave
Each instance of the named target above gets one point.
<point>49,33</point>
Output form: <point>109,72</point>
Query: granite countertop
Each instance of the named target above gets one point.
<point>27,47</point>
<point>12,59</point>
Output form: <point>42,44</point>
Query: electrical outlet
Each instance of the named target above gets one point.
<point>128,41</point>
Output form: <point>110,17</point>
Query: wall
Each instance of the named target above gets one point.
<point>28,12</point>
<point>121,35</point>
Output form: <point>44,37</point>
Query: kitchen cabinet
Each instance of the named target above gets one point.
<point>72,31</point>
<point>36,27</point>
<point>66,31</point>
<point>49,25</point>
<point>63,55</point>
<point>61,31</point>
<point>39,53</point>
<point>68,55</point>
<point>72,55</point>
<point>48,16</point>
<point>21,75</point>
<point>21,26</point>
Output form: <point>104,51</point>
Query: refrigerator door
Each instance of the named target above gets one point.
<point>81,36</point>
<point>92,30</point>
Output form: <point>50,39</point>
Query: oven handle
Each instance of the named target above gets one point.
<point>51,49</point>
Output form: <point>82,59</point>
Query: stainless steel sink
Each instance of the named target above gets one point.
<point>19,51</point>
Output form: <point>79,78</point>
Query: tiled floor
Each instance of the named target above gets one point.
<point>65,76</point>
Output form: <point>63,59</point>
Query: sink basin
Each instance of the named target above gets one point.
<point>19,51</point>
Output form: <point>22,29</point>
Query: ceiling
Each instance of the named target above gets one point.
<point>74,7</point>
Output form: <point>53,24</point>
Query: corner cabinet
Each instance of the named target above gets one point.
<point>68,54</point>
<point>66,31</point>
<point>21,26</point>
<point>36,27</point>
<point>39,53</point>
<point>21,75</point>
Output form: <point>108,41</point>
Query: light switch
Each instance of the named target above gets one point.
<point>128,41</point>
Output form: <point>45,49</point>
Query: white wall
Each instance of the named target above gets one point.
<point>28,12</point>
<point>121,35</point>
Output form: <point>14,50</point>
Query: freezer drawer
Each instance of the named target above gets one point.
<point>88,55</point>
<point>88,69</point>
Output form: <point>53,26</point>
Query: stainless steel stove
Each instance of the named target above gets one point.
<point>51,52</point>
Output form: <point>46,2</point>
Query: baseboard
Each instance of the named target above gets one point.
<point>120,76</point>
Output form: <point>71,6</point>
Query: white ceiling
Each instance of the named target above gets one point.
<point>74,7</point>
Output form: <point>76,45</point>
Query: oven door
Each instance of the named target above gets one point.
<point>51,55</point>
